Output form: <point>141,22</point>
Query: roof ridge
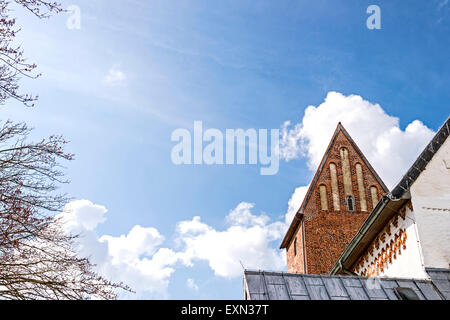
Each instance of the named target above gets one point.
<point>327,276</point>
<point>421,161</point>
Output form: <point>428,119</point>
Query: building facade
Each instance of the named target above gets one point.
<point>408,232</point>
<point>343,192</point>
<point>391,249</point>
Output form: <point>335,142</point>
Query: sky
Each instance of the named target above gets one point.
<point>135,71</point>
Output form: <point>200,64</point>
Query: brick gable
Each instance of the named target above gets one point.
<point>324,225</point>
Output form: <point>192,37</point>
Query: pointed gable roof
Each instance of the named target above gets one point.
<point>298,216</point>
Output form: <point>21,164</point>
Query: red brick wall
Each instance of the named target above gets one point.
<point>327,233</point>
<point>296,264</point>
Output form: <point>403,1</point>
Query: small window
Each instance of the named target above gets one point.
<point>350,203</point>
<point>406,293</point>
<point>295,246</point>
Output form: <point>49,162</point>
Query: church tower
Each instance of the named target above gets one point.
<point>343,192</point>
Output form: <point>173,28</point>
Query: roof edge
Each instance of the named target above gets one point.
<point>314,275</point>
<point>297,218</point>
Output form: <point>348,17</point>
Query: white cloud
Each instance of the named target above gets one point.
<point>134,259</point>
<point>242,216</point>
<point>83,215</point>
<point>114,76</point>
<point>139,241</point>
<point>389,149</point>
<point>190,283</point>
<point>290,142</point>
<point>294,203</point>
<point>138,260</point>
<point>442,4</point>
<point>247,239</point>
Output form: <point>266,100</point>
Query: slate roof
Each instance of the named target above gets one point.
<point>261,285</point>
<point>441,279</point>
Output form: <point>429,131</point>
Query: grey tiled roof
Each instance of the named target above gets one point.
<point>260,285</point>
<point>441,279</point>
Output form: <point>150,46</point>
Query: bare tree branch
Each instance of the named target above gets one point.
<point>13,64</point>
<point>38,259</point>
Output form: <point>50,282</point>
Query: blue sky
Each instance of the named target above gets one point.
<point>137,70</point>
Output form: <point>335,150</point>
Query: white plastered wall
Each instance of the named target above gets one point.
<point>409,262</point>
<point>430,195</point>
